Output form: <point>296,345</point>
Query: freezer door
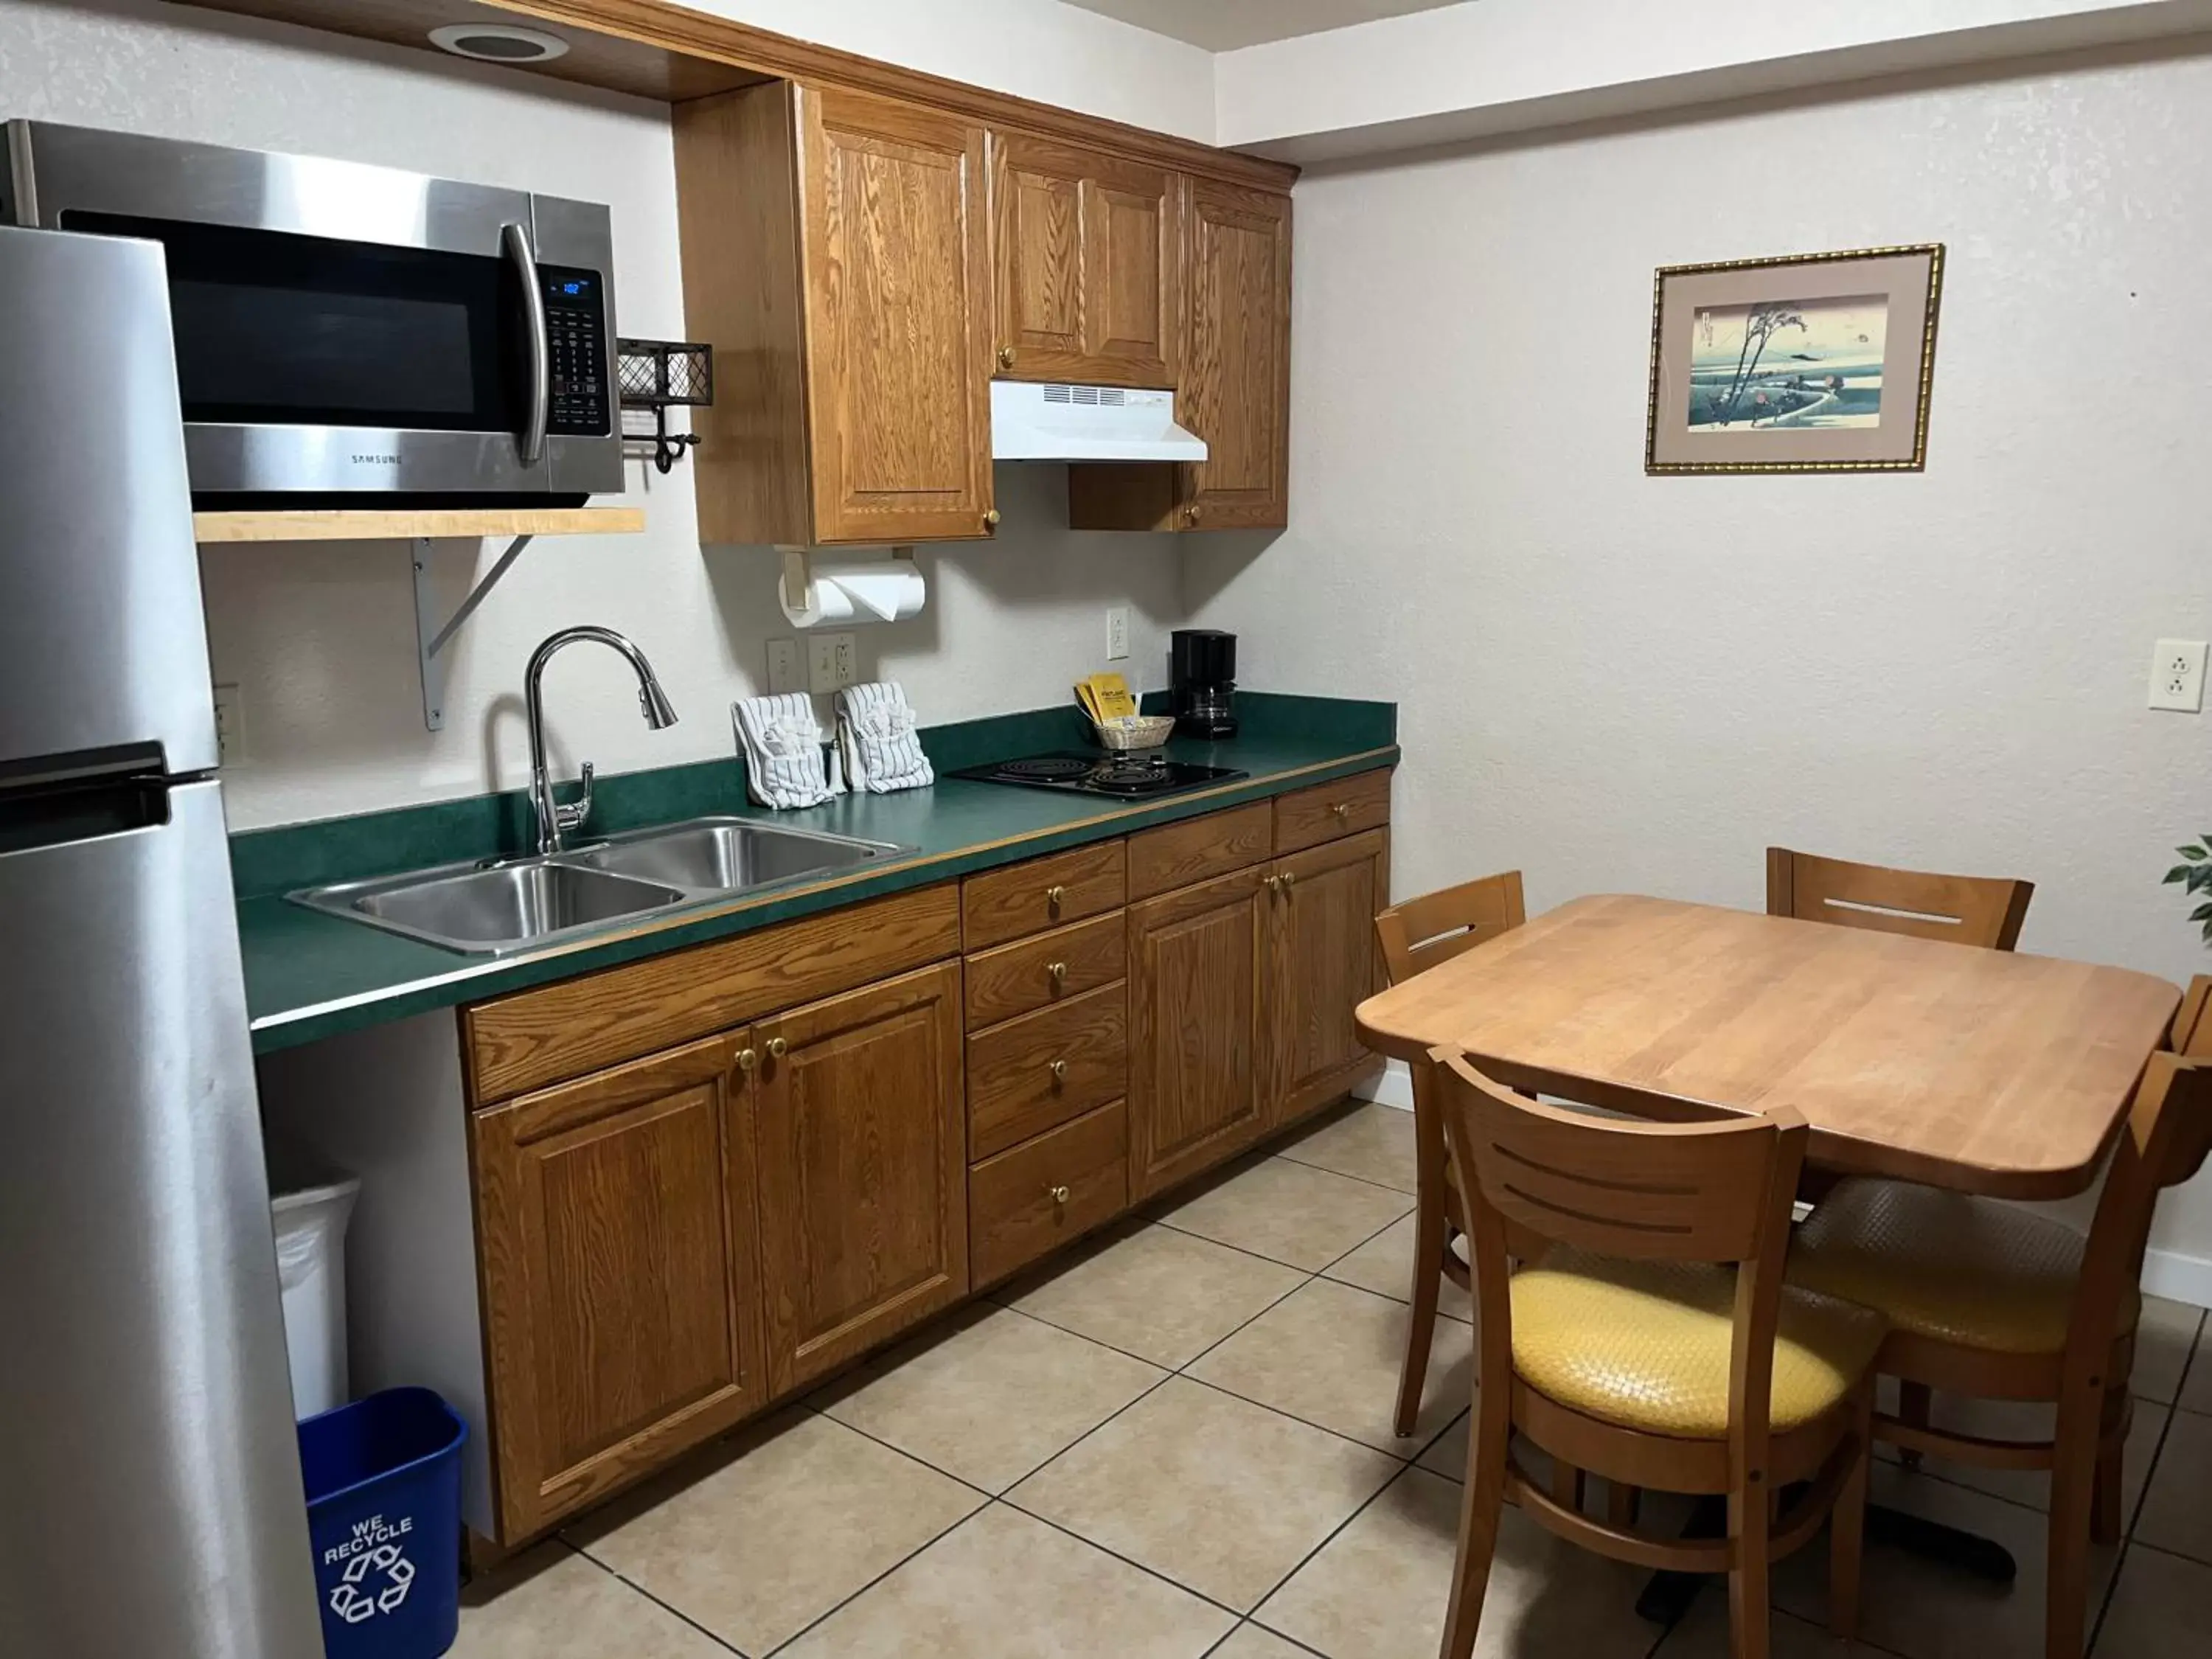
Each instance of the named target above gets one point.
<point>150,1495</point>
<point>103,645</point>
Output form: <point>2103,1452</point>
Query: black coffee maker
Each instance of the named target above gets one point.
<point>1202,682</point>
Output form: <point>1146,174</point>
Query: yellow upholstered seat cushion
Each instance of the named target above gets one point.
<point>1960,1269</point>
<point>1644,1345</point>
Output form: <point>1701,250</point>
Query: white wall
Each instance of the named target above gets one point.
<point>1623,683</point>
<point>320,638</point>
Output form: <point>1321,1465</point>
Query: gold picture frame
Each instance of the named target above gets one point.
<point>1864,323</point>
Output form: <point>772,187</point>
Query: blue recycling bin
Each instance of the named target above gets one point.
<point>384,1510</point>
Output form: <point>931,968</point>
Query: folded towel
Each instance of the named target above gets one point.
<point>782,747</point>
<point>876,736</point>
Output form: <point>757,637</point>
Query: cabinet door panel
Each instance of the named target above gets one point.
<point>1196,1073</point>
<point>1324,966</point>
<point>898,308</point>
<point>1236,380</point>
<point>863,1169</point>
<point>615,1234</point>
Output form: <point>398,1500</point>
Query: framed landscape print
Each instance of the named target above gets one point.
<point>1821,362</point>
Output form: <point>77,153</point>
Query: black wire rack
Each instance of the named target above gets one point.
<point>660,375</point>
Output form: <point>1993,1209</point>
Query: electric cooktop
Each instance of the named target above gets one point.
<point>1140,774</point>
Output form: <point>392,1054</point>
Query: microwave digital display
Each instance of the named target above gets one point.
<point>576,334</point>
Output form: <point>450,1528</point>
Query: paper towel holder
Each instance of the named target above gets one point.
<point>799,572</point>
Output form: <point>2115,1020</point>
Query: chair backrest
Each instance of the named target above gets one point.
<point>2164,1142</point>
<point>1718,1190</point>
<point>2191,1033</point>
<point>1983,910</point>
<point>1436,927</point>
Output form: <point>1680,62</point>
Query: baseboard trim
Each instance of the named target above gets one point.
<point>1393,1087</point>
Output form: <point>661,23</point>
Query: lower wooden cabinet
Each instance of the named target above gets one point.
<point>619,1278</point>
<point>863,1169</point>
<point>1196,1074</point>
<point>1323,966</point>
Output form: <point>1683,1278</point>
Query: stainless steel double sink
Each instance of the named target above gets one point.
<point>490,909</point>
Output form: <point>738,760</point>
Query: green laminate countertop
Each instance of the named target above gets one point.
<point>310,976</point>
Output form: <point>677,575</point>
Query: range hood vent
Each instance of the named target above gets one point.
<point>1055,421</point>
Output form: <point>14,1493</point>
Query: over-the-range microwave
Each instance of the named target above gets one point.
<point>347,333</point>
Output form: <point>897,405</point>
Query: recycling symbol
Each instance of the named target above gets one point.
<point>353,1603</point>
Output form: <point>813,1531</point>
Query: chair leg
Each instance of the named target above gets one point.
<point>1622,1505</point>
<point>2073,1502</point>
<point>1915,1404</point>
<point>1847,1534</point>
<point>1480,1503</point>
<point>1748,1535</point>
<point>2106,1522</point>
<point>1431,1237</point>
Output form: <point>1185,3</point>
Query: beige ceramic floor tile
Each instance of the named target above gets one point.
<point>1703,1634</point>
<point>1004,1585</point>
<point>794,1520</point>
<point>1331,1354</point>
<point>2169,1331</point>
<point>551,1603</point>
<point>1250,1642</point>
<point>1923,1610</point>
<point>1217,1493</point>
<point>1384,1265</point>
<point>1375,1143</point>
<point>1289,1212</point>
<point>1157,1293</point>
<point>1379,1588</point>
<point>2196,1391</point>
<point>2158,1609</point>
<point>992,1396</point>
<point>2013,1419</point>
<point>1447,1453</point>
<point>2177,1514</point>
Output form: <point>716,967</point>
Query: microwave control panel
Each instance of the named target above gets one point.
<point>577,330</point>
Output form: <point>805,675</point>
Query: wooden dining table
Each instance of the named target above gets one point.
<point>1981,1071</point>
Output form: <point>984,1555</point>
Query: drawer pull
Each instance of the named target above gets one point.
<point>747,1060</point>
<point>1273,884</point>
<point>1290,880</point>
<point>1053,895</point>
<point>1058,972</point>
<point>775,1048</point>
<point>1058,1195</point>
<point>1342,810</point>
<point>1059,1070</point>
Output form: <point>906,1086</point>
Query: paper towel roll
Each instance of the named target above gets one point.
<point>856,590</point>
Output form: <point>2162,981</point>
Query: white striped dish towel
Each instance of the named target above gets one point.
<point>876,736</point>
<point>782,747</point>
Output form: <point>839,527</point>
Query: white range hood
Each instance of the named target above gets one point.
<point>1052,420</point>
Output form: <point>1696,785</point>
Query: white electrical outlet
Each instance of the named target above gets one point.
<point>822,662</point>
<point>845,659</point>
<point>787,669</point>
<point>1117,633</point>
<point>229,726</point>
<point>2176,675</point>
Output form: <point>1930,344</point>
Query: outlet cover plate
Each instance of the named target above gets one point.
<point>2177,676</point>
<point>1117,633</point>
<point>832,662</point>
<point>229,726</point>
<point>786,668</point>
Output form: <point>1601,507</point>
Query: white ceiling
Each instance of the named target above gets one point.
<point>1225,25</point>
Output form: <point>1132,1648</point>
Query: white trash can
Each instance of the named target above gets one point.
<point>311,1215</point>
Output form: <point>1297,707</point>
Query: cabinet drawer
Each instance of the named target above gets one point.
<point>1027,1075</point>
<point>1014,1204</point>
<point>1027,898</point>
<point>1015,978</point>
<point>1345,807</point>
<point>1177,854</point>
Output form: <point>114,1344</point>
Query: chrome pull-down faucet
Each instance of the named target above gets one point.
<point>555,820</point>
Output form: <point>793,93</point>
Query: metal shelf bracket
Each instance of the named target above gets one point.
<point>429,637</point>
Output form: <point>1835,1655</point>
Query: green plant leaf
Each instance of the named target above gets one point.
<point>2202,912</point>
<point>2199,878</point>
<point>2193,854</point>
<point>2178,873</point>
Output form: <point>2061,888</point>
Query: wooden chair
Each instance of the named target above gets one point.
<point>1416,935</point>
<point>1992,1301</point>
<point>1630,1350</point>
<point>1984,910</point>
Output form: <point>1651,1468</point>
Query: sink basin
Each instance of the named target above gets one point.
<point>727,854</point>
<point>505,907</point>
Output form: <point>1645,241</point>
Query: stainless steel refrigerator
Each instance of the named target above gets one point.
<point>151,1499</point>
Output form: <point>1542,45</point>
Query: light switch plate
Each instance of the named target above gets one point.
<point>2177,676</point>
<point>229,726</point>
<point>1117,633</point>
<point>787,669</point>
<point>821,663</point>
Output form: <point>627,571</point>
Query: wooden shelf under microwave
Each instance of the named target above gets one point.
<point>349,525</point>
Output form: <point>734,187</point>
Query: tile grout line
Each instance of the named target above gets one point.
<point>675,1613</point>
<point>1305,1560</point>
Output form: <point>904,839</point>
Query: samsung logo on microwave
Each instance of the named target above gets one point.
<point>376,460</point>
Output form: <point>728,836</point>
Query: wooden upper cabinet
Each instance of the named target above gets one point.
<point>1233,387</point>
<point>615,1231</point>
<point>1325,965</point>
<point>837,255</point>
<point>1089,264</point>
<point>1198,1068</point>
<point>862,1147</point>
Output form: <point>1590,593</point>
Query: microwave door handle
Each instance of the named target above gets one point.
<point>515,238</point>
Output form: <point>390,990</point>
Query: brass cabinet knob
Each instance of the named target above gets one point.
<point>747,1060</point>
<point>991,518</point>
<point>1058,972</point>
<point>1006,357</point>
<point>1059,1070</point>
<point>776,1046</point>
<point>1342,810</point>
<point>1290,877</point>
<point>1058,1195</point>
<point>1053,895</point>
<point>1273,884</point>
<point>1190,513</point>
